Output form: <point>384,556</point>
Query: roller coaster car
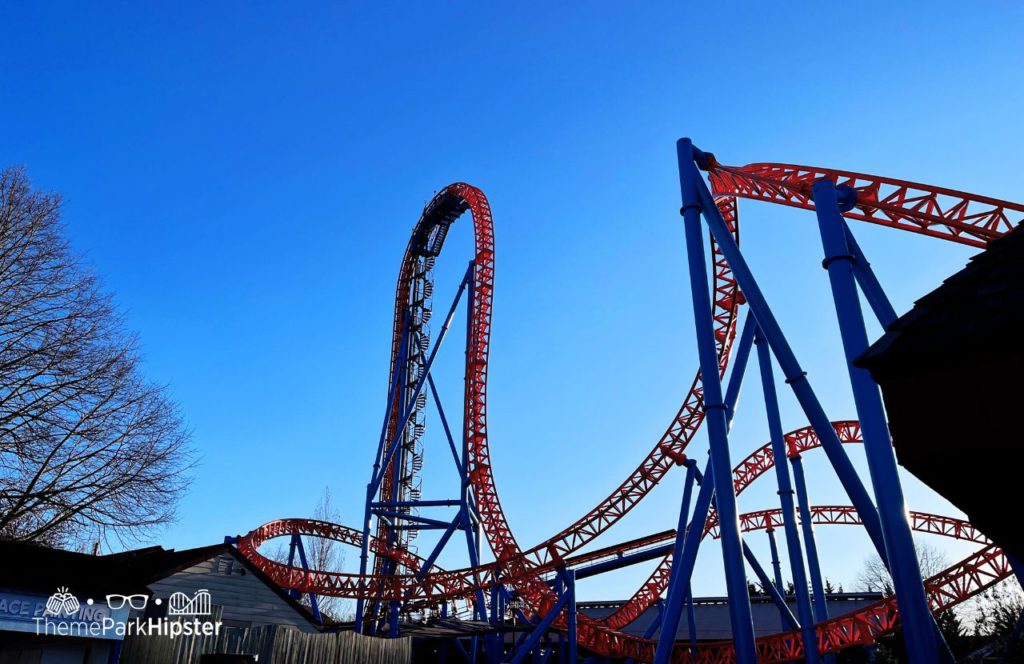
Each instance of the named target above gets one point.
<point>952,375</point>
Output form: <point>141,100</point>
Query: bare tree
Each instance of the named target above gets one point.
<point>321,554</point>
<point>88,448</point>
<point>874,577</point>
<point>325,554</point>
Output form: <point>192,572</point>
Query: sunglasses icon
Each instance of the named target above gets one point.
<point>135,601</point>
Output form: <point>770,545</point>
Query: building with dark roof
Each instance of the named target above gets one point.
<point>213,583</point>
<point>952,376</point>
<point>712,614</point>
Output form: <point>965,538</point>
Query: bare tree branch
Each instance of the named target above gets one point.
<point>88,448</point>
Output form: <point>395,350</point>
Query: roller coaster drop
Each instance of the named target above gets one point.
<point>537,585</point>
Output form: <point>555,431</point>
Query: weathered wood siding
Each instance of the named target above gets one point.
<point>273,645</point>
<point>246,600</point>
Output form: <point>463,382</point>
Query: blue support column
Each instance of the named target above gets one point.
<point>796,377</point>
<point>813,563</point>
<point>314,605</point>
<point>691,617</point>
<point>571,636</point>
<point>789,517</point>
<point>688,539</point>
<point>788,619</point>
<point>776,565</point>
<point>714,408</point>
<point>869,285</point>
<point>364,545</point>
<point>682,569</point>
<point>533,640</point>
<point>918,630</point>
<point>401,400</point>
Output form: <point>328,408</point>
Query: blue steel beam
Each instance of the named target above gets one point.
<point>313,604</point>
<point>769,587</point>
<point>620,562</point>
<point>404,420</point>
<point>789,517</point>
<point>776,565</point>
<point>681,570</point>
<point>740,616</point>
<point>916,618</point>
<point>418,521</point>
<point>795,376</point>
<point>540,630</point>
<point>364,546</point>
<point>813,562</point>
<point>444,424</point>
<point>869,285</point>
<point>688,539</point>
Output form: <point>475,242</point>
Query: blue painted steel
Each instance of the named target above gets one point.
<point>789,518</point>
<point>770,589</point>
<point>869,285</point>
<point>415,503</point>
<point>741,357</point>
<point>465,519</point>
<point>418,521</point>
<point>441,543</point>
<point>776,565</point>
<point>687,543</point>
<point>444,424</point>
<point>917,621</point>
<point>682,569</point>
<point>295,545</point>
<point>570,618</point>
<point>404,420</point>
<point>813,564</point>
<point>466,510</point>
<point>796,377</point>
<point>541,629</point>
<point>621,561</point>
<point>367,513</point>
<point>714,407</point>
<point>691,617</point>
<point>670,612</point>
<point>788,619</point>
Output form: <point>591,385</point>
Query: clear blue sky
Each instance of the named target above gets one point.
<point>244,176</point>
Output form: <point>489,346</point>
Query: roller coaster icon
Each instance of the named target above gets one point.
<point>180,604</point>
<point>537,584</point>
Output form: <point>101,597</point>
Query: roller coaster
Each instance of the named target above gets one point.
<point>536,585</point>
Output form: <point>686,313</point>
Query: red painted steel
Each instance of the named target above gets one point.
<point>932,211</point>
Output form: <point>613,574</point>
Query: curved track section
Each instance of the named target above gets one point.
<point>932,211</point>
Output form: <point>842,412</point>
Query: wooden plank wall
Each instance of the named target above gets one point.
<point>272,644</point>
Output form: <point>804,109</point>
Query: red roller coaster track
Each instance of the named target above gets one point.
<point>932,211</point>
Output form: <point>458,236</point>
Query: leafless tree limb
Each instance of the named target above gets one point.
<point>88,448</point>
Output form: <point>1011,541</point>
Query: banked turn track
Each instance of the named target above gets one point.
<point>936,212</point>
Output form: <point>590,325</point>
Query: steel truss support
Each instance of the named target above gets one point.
<point>806,524</point>
<point>776,565</point>
<point>688,538</point>
<point>919,634</point>
<point>715,412</point>
<point>397,513</point>
<point>789,517</point>
<point>566,600</point>
<point>294,546</point>
<point>795,376</point>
